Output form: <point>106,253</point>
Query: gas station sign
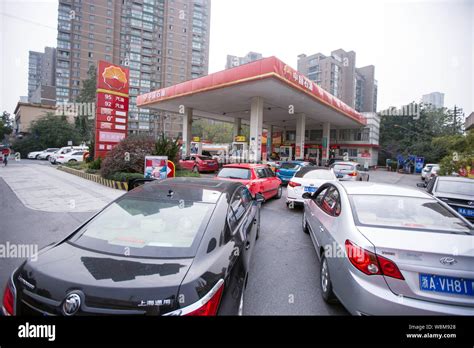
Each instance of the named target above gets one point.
<point>112,100</point>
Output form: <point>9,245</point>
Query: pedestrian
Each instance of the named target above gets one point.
<point>5,160</point>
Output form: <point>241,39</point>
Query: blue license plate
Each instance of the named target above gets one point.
<point>339,176</point>
<point>309,189</point>
<point>466,212</point>
<point>449,285</point>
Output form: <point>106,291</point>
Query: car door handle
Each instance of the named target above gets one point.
<point>247,245</point>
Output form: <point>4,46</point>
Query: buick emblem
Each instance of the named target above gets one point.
<point>448,260</point>
<point>71,304</point>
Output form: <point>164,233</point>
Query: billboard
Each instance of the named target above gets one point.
<point>112,102</point>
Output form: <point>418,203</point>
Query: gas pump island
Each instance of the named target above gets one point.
<point>266,94</point>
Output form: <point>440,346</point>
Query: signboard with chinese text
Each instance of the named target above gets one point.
<point>112,103</point>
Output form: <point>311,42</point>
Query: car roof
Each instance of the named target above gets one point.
<point>455,178</point>
<point>188,189</point>
<point>245,165</point>
<point>372,188</point>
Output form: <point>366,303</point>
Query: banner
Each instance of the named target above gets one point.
<point>112,102</point>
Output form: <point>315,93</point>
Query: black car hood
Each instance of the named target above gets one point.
<point>106,282</point>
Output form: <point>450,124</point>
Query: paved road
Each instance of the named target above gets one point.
<point>284,277</point>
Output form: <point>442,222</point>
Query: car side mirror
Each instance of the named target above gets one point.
<point>307,195</point>
<point>259,198</point>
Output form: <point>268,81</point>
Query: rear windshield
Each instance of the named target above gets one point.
<point>456,187</point>
<point>234,173</point>
<point>205,158</point>
<point>288,165</point>
<point>406,213</point>
<point>315,174</point>
<point>147,228</point>
<point>338,167</point>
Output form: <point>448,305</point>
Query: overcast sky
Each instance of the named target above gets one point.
<point>417,47</point>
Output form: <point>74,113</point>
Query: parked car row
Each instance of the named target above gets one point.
<point>60,155</point>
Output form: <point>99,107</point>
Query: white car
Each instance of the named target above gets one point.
<point>34,154</point>
<point>427,169</point>
<point>73,156</point>
<point>46,153</point>
<point>307,179</point>
<point>65,150</point>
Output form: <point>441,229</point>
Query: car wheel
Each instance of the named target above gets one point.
<point>36,157</point>
<point>360,179</point>
<point>325,282</point>
<point>279,193</point>
<point>195,169</point>
<point>72,160</point>
<point>305,223</point>
<point>47,158</point>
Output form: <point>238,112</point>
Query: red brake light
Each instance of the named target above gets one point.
<point>352,174</point>
<point>210,307</point>
<point>8,300</point>
<point>293,184</point>
<point>370,263</point>
<point>61,156</point>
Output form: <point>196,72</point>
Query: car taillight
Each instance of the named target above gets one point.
<point>371,263</point>
<point>352,174</point>
<point>293,184</point>
<point>206,306</point>
<point>61,156</point>
<point>9,300</point>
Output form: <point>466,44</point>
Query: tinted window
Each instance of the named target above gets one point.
<point>147,228</point>
<point>288,165</point>
<point>316,174</point>
<point>261,173</point>
<point>238,205</point>
<point>269,172</point>
<point>319,198</point>
<point>234,173</point>
<point>331,203</point>
<point>77,153</point>
<point>406,212</point>
<point>456,187</point>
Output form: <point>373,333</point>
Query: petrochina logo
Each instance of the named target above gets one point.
<point>115,78</point>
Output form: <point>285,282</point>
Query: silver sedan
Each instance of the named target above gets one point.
<point>391,250</point>
<point>349,171</point>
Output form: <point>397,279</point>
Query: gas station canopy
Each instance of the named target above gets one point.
<point>227,94</point>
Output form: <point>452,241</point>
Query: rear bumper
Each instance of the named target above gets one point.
<point>372,297</point>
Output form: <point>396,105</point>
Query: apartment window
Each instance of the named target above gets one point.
<point>108,58</point>
<point>91,27</point>
<point>108,31</point>
<point>170,27</point>
<point>108,48</point>
<point>91,17</point>
<point>91,8</point>
<point>108,39</point>
<point>109,13</point>
<point>109,21</point>
<point>90,55</point>
<point>91,36</point>
<point>90,45</point>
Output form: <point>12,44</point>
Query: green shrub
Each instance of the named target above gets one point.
<point>137,147</point>
<point>167,147</point>
<point>124,177</point>
<point>92,171</point>
<point>95,164</point>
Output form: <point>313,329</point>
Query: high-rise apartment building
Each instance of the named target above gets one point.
<point>233,61</point>
<point>41,76</point>
<point>162,42</point>
<point>435,99</point>
<point>338,75</point>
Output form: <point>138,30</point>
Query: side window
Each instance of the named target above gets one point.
<point>332,203</point>
<point>261,173</point>
<point>358,167</point>
<point>192,158</point>
<point>187,158</point>
<point>238,205</point>
<point>269,172</point>
<point>319,198</point>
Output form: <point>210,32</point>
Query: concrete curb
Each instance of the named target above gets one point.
<point>96,178</point>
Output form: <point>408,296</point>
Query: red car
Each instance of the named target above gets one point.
<point>199,163</point>
<point>258,178</point>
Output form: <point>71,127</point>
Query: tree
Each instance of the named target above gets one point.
<point>213,131</point>
<point>6,125</point>
<point>167,147</point>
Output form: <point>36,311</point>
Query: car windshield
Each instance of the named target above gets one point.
<point>323,174</point>
<point>289,165</point>
<point>234,173</point>
<point>147,228</point>
<point>406,213</point>
<point>456,187</point>
<point>339,167</point>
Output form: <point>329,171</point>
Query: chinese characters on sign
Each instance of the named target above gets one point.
<point>112,107</point>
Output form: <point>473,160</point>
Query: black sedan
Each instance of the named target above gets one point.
<point>457,192</point>
<point>174,247</point>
